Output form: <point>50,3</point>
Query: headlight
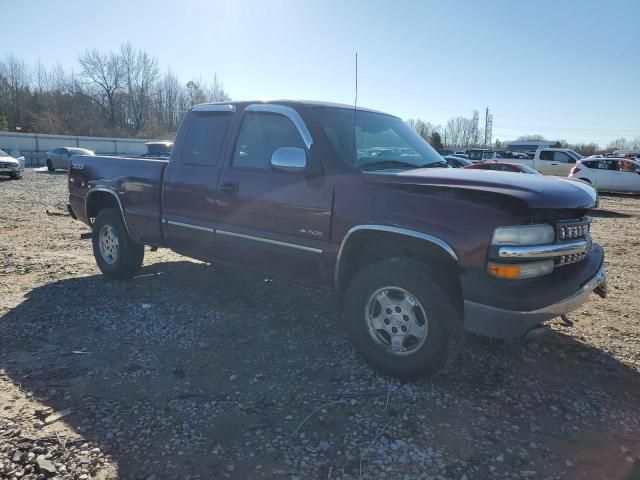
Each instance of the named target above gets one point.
<point>524,235</point>
<point>518,271</point>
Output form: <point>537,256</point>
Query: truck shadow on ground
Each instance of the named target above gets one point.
<point>189,370</point>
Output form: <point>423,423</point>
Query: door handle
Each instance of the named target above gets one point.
<point>228,188</point>
<point>553,164</point>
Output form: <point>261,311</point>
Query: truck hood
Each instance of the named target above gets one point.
<point>536,191</point>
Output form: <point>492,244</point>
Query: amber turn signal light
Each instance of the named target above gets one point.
<point>504,271</point>
<point>515,271</point>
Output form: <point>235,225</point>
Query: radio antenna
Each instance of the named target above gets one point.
<point>355,102</point>
<point>355,110</point>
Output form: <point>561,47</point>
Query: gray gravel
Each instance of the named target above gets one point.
<point>194,371</point>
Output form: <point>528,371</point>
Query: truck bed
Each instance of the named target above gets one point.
<point>137,183</point>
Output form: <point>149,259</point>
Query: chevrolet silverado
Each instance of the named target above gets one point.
<point>355,202</point>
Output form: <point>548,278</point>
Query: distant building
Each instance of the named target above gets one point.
<point>529,145</point>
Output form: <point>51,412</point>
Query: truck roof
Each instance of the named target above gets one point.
<point>305,103</point>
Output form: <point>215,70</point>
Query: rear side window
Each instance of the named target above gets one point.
<point>204,138</point>
<point>260,135</point>
<point>602,164</point>
<point>546,155</point>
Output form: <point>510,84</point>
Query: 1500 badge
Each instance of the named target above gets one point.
<point>309,231</point>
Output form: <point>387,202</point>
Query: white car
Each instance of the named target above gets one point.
<point>13,167</point>
<point>609,174</point>
<point>551,161</point>
<point>61,157</point>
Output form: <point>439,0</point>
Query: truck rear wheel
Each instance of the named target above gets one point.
<point>116,254</point>
<point>400,320</point>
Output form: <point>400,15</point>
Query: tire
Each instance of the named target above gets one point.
<point>50,165</point>
<point>116,254</point>
<point>406,283</point>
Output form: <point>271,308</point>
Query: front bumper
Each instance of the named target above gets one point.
<point>492,321</point>
<point>10,170</point>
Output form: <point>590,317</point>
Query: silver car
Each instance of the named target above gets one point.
<point>61,157</point>
<point>13,167</point>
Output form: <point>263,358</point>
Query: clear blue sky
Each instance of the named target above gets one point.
<point>564,69</point>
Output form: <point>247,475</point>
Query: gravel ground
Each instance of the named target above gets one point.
<point>191,371</point>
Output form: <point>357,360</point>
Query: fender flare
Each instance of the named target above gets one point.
<point>115,195</point>
<point>395,230</point>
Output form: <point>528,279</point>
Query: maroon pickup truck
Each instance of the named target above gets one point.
<point>352,201</point>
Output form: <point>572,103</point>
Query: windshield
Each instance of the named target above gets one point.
<point>575,154</point>
<point>3,153</point>
<point>381,141</point>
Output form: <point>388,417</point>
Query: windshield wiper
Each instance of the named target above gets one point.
<point>380,164</point>
<point>438,164</point>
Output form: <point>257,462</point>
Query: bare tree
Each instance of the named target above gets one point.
<point>620,144</point>
<point>140,71</point>
<point>104,75</point>
<point>215,92</point>
<point>114,94</point>
<point>475,128</point>
<point>195,93</point>
<point>18,76</point>
<point>531,138</point>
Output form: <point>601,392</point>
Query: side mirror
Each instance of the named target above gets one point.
<point>289,159</point>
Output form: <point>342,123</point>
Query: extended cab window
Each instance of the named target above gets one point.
<point>204,138</point>
<point>260,135</point>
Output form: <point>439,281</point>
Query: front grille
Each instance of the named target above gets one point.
<point>5,165</point>
<point>569,230</point>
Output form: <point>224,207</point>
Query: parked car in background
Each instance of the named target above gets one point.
<point>503,167</point>
<point>414,253</point>
<point>624,153</point>
<point>459,155</point>
<point>445,151</point>
<point>609,174</point>
<point>158,150</point>
<point>9,166</point>
<point>457,162</point>
<point>475,154</point>
<point>550,161</point>
<point>60,158</point>
<point>504,155</point>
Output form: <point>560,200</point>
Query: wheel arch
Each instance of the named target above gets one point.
<point>364,244</point>
<point>100,198</point>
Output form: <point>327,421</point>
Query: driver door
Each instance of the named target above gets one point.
<point>269,219</point>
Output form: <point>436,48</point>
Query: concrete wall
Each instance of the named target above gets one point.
<point>35,145</point>
<point>40,142</point>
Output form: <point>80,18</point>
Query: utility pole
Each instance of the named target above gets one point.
<point>488,126</point>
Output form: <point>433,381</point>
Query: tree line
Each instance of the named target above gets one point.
<point>463,133</point>
<point>114,93</point>
<point>458,132</point>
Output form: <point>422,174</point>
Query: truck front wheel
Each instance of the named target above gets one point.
<point>400,320</point>
<point>117,255</point>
